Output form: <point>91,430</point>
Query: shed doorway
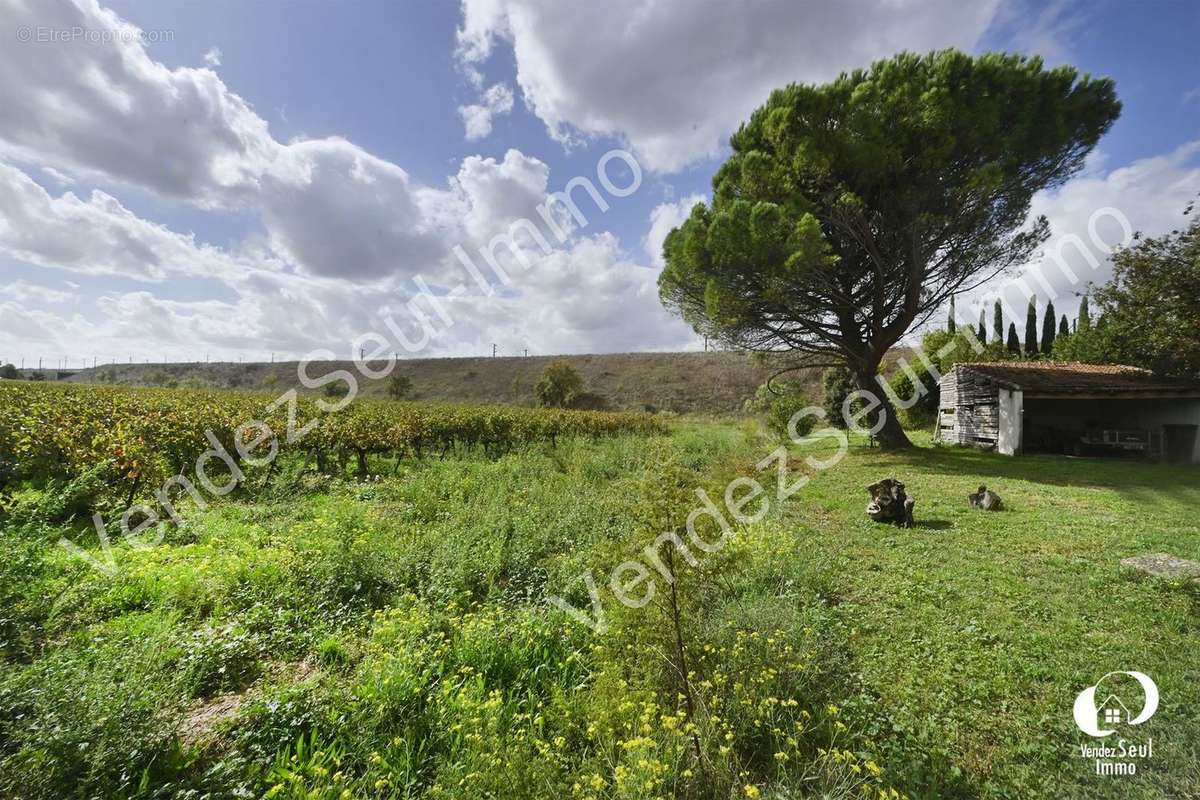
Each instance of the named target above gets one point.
<point>1179,442</point>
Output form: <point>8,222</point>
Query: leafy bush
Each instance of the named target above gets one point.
<point>941,349</point>
<point>778,402</point>
<point>559,386</point>
<point>399,386</point>
<point>837,383</point>
<point>336,389</point>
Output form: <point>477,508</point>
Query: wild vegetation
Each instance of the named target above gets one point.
<point>119,444</point>
<point>389,635</point>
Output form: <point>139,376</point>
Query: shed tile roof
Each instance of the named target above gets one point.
<point>1066,378</point>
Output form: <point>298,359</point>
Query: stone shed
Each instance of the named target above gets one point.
<point>1070,408</point>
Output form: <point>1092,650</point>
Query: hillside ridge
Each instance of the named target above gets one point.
<point>715,382</point>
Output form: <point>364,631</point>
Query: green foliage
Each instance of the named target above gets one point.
<point>1151,308</point>
<point>128,442</point>
<point>919,398</point>
<point>336,390</point>
<point>1048,321</point>
<point>1031,332</point>
<point>951,322</point>
<point>9,372</point>
<point>392,639</point>
<point>559,386</point>
<point>1013,344</point>
<point>837,383</point>
<point>1093,344</point>
<point>953,145</point>
<point>399,386</point>
<point>981,332</point>
<point>779,402</point>
<point>1150,311</point>
<point>997,323</point>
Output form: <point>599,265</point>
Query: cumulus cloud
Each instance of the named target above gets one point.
<point>30,294</point>
<point>477,117</point>
<point>344,230</point>
<point>336,210</point>
<point>1090,216</point>
<point>95,235</point>
<point>674,78</point>
<point>107,107</point>
<point>212,58</point>
<point>663,218</point>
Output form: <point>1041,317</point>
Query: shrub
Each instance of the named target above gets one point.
<point>9,372</point>
<point>921,413</point>
<point>336,389</point>
<point>399,386</point>
<point>837,383</point>
<point>559,386</point>
<point>778,402</point>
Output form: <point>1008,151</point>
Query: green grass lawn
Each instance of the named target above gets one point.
<point>976,629</point>
<point>326,637</point>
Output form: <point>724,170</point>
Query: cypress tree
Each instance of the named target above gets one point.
<point>1048,328</point>
<point>998,322</point>
<point>982,326</point>
<point>1014,344</point>
<point>1085,318</point>
<point>950,324</point>
<point>1031,337</point>
<point>1064,328</point>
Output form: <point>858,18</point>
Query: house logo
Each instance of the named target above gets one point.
<point>1101,719</point>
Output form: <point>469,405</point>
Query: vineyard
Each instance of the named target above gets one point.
<point>132,440</point>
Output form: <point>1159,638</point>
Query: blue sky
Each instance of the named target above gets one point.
<point>270,177</point>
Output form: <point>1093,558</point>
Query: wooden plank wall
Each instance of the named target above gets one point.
<point>969,409</point>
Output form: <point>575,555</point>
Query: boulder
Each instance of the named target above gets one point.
<point>1164,566</point>
<point>985,499</point>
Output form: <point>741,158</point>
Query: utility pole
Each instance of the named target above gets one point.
<point>527,352</point>
<point>493,351</point>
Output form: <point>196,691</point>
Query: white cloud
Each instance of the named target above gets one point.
<point>493,194</point>
<point>212,58</point>
<point>674,78</point>
<point>28,294</point>
<point>336,210</point>
<point>96,235</point>
<point>343,229</point>
<point>58,177</point>
<point>1148,195</point>
<point>477,117</point>
<point>109,108</point>
<point>663,218</point>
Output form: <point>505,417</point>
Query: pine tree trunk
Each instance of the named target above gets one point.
<point>891,435</point>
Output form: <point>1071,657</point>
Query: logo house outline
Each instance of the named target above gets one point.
<point>1089,716</point>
